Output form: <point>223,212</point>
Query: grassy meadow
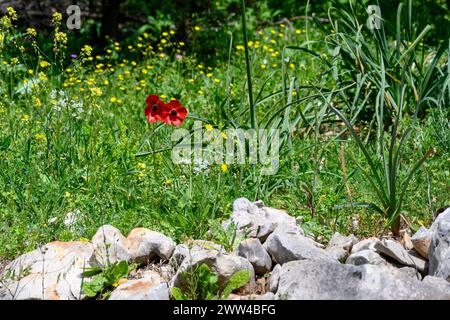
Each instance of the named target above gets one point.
<point>74,136</point>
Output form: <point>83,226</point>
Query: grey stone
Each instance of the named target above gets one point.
<point>52,272</point>
<point>150,287</point>
<point>180,252</point>
<point>267,296</point>
<point>144,244</point>
<point>365,257</point>
<point>254,220</point>
<point>411,272</point>
<point>252,250</point>
<point>366,244</point>
<point>396,251</point>
<point>183,251</point>
<point>274,278</point>
<point>439,252</point>
<point>421,241</point>
<point>287,243</point>
<point>437,282</point>
<point>110,246</point>
<point>322,279</point>
<point>340,246</point>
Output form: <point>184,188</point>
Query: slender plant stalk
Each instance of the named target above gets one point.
<point>249,71</point>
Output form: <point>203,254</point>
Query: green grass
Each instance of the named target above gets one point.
<point>55,158</point>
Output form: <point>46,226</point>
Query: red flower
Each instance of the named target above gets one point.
<point>174,113</point>
<point>155,108</point>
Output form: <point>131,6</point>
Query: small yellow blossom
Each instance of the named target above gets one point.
<point>61,37</point>
<point>96,91</point>
<point>208,127</point>
<point>25,118</point>
<point>224,167</point>
<point>44,64</point>
<point>42,76</point>
<point>141,166</point>
<point>56,18</point>
<point>37,102</point>
<point>31,32</point>
<point>40,137</point>
<point>197,28</point>
<point>11,13</point>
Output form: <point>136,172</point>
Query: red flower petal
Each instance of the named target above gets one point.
<point>182,112</point>
<point>152,99</point>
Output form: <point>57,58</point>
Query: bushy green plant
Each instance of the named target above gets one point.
<point>393,79</point>
<point>202,284</point>
<point>105,279</point>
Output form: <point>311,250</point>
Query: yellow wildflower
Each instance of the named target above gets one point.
<point>31,32</point>
<point>56,18</point>
<point>25,118</point>
<point>11,13</point>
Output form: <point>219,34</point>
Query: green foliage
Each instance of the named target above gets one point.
<point>69,141</point>
<point>105,279</point>
<point>202,284</point>
<point>228,238</point>
<point>398,82</point>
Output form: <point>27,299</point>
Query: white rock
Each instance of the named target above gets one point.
<point>287,243</point>
<point>252,250</point>
<point>366,244</point>
<point>365,257</point>
<point>110,246</point>
<point>52,272</point>
<point>340,246</point>
<point>412,272</point>
<point>274,278</point>
<point>439,252</point>
<point>151,287</point>
<point>327,280</point>
<point>144,244</point>
<point>183,251</point>
<point>396,251</point>
<point>437,282</point>
<point>256,220</point>
<point>421,241</point>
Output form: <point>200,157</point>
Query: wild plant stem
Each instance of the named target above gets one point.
<point>249,72</point>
